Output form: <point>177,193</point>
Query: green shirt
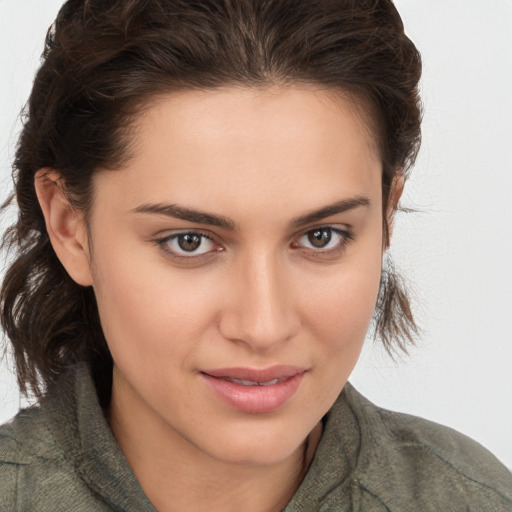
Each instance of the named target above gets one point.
<point>62,456</point>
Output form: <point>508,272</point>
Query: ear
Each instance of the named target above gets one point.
<point>65,226</point>
<point>397,188</point>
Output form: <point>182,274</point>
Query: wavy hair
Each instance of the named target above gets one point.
<point>103,64</point>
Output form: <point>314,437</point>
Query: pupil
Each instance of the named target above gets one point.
<point>320,237</point>
<point>189,242</point>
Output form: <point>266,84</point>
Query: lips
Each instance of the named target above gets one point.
<point>244,382</point>
<point>280,372</point>
<point>254,390</point>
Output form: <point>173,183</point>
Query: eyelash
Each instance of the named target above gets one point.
<point>163,244</point>
<point>345,235</point>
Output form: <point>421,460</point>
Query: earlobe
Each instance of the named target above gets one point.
<point>65,226</point>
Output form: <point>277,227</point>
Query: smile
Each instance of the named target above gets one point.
<point>254,391</point>
<point>243,382</point>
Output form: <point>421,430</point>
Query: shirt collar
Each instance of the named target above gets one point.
<point>80,428</point>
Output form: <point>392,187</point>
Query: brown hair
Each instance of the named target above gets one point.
<point>104,62</point>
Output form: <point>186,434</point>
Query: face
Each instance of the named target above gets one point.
<point>236,263</point>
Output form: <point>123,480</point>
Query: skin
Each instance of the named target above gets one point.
<point>259,294</point>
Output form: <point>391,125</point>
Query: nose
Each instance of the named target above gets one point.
<point>260,311</point>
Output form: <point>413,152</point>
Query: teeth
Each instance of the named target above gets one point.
<point>269,383</point>
<point>244,382</point>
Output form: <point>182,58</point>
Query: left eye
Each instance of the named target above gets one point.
<point>188,243</point>
<point>323,238</point>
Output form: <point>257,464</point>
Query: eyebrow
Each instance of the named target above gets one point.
<point>183,213</point>
<point>332,209</point>
<point>201,217</point>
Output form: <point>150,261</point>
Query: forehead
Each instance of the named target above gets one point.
<point>226,146</point>
<point>269,110</point>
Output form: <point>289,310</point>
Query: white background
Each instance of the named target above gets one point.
<point>456,251</point>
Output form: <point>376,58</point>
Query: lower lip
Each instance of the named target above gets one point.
<point>254,399</point>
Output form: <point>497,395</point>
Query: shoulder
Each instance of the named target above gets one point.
<point>30,459</point>
<point>406,458</point>
<point>26,438</point>
<point>26,451</point>
<point>34,471</point>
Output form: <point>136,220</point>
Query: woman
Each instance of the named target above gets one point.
<point>205,191</point>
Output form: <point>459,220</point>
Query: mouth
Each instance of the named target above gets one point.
<point>255,390</point>
<point>256,376</point>
<point>244,382</point>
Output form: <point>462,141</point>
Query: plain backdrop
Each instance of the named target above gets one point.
<point>456,250</point>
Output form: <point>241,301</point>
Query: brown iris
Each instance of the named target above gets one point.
<point>189,241</point>
<point>320,237</point>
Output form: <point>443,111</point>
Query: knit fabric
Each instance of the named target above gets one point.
<point>62,456</point>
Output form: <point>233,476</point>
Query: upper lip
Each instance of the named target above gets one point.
<point>280,372</point>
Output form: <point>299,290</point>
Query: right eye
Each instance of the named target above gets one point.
<point>188,244</point>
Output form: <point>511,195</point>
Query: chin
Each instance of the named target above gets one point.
<point>261,455</point>
<point>257,446</point>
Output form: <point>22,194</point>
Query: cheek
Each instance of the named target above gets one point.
<point>338,317</point>
<point>339,309</point>
<point>344,301</point>
<point>148,313</point>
